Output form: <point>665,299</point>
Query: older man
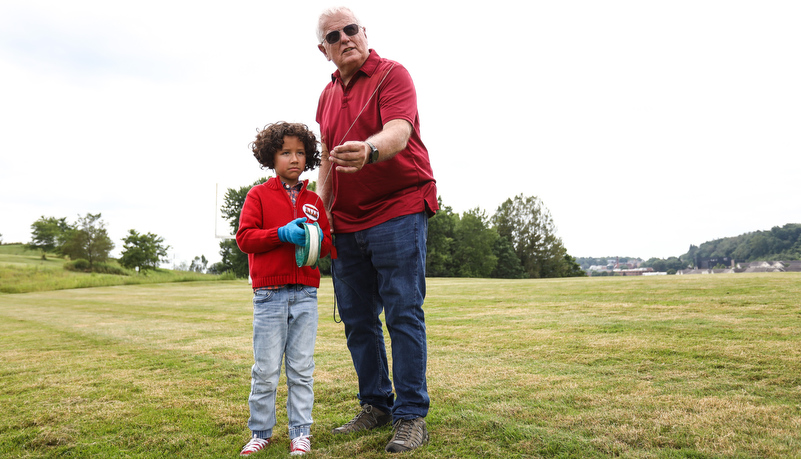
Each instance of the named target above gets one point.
<point>377,184</point>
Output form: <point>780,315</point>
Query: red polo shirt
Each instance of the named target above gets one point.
<point>379,192</point>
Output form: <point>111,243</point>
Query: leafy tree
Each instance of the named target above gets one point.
<point>217,268</point>
<point>233,259</point>
<point>657,264</point>
<point>508,266</point>
<point>474,241</point>
<point>233,202</point>
<point>690,257</point>
<point>667,265</point>
<point>528,224</point>
<point>440,242</point>
<point>47,234</point>
<point>143,250</point>
<point>573,269</point>
<point>199,264</point>
<point>784,239</point>
<point>88,239</point>
<point>760,246</point>
<point>742,252</point>
<point>675,264</point>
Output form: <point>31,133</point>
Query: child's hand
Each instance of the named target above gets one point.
<point>293,232</point>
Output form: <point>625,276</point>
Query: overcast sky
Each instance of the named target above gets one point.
<point>643,126</point>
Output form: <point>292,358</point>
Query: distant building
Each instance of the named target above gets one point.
<point>710,263</point>
<point>748,267</point>
<point>633,271</point>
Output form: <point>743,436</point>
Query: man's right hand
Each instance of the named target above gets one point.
<point>350,156</point>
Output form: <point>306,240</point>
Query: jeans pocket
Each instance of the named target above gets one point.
<point>311,292</point>
<point>262,296</point>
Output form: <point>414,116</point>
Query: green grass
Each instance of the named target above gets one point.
<point>23,270</point>
<point>650,367</point>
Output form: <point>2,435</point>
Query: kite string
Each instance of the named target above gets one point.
<point>325,179</point>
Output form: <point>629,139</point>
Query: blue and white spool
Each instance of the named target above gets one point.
<point>309,253</point>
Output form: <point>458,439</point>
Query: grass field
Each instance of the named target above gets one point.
<point>648,367</point>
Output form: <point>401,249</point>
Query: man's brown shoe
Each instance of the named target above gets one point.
<point>368,418</point>
<point>409,434</point>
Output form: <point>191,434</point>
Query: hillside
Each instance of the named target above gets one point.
<point>23,270</point>
<point>778,243</point>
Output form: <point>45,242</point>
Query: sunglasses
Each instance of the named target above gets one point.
<point>350,30</point>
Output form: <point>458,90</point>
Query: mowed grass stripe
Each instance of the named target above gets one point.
<point>693,366</point>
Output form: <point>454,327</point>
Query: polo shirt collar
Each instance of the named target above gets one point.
<point>368,68</point>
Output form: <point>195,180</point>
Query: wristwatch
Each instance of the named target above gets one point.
<point>373,156</point>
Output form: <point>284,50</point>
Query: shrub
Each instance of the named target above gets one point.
<point>108,268</point>
<point>78,265</point>
<point>228,275</point>
<point>82,266</point>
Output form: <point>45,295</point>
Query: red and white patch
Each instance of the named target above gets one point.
<point>311,212</point>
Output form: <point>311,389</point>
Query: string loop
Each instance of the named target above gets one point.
<point>309,253</point>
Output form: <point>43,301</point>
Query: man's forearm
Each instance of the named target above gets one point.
<point>392,139</point>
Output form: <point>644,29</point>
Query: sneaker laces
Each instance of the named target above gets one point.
<point>300,444</point>
<point>255,444</point>
<point>403,430</point>
<point>366,410</point>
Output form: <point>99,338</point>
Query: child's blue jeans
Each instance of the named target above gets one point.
<point>284,328</point>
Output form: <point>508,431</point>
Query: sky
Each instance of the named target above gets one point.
<point>643,126</point>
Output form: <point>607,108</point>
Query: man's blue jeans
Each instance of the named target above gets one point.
<point>284,328</point>
<point>383,268</point>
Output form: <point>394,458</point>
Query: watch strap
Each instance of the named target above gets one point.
<point>373,156</point>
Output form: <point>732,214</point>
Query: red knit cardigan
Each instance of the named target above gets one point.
<point>268,207</point>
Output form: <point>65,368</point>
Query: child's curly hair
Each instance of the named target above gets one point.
<point>271,139</point>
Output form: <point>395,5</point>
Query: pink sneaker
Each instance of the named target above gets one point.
<point>300,445</point>
<point>254,445</point>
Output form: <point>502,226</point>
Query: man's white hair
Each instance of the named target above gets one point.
<point>328,14</point>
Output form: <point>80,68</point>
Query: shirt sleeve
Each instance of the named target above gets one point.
<point>251,237</point>
<point>398,97</point>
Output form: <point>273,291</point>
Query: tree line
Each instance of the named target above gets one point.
<point>518,241</point>
<point>778,244</point>
<point>88,245</point>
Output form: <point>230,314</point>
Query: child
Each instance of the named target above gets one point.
<point>285,296</point>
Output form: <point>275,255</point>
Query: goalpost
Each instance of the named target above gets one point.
<point>222,229</point>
